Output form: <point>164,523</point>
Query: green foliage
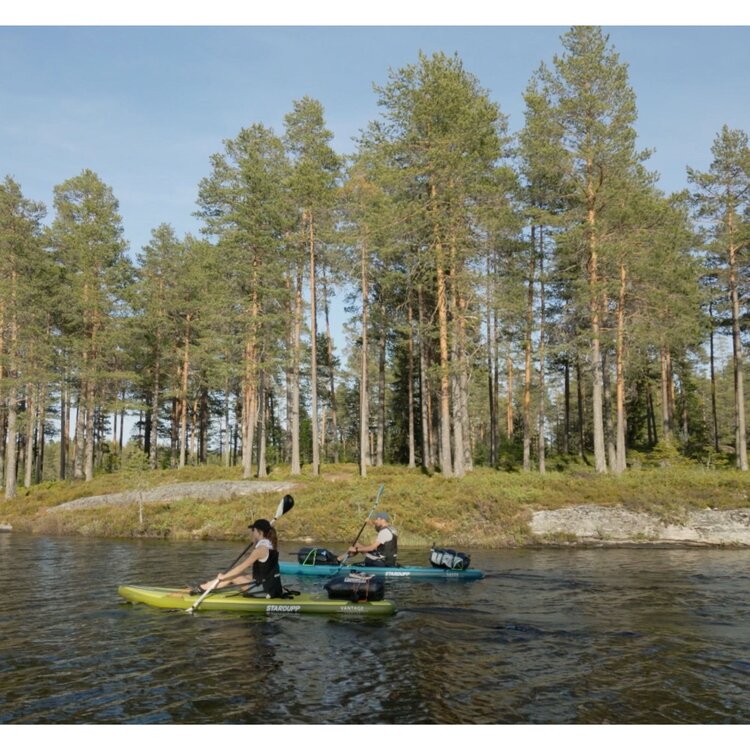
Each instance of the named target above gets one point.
<point>486,508</point>
<point>438,189</point>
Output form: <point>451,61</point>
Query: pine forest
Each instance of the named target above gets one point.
<point>519,300</point>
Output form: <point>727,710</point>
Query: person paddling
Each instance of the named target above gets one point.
<point>383,552</point>
<point>264,579</point>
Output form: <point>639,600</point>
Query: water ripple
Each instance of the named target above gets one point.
<point>550,636</point>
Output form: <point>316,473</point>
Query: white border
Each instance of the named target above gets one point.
<point>384,12</point>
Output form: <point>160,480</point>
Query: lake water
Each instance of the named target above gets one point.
<point>549,636</point>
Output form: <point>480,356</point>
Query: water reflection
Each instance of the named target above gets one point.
<point>550,636</point>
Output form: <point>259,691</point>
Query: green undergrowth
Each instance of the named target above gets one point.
<point>485,508</point>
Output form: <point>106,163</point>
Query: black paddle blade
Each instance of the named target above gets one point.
<point>286,504</point>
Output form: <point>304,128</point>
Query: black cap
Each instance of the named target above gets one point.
<point>261,524</point>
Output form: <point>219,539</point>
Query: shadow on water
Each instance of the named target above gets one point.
<point>549,636</point>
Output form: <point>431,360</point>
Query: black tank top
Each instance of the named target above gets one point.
<point>267,574</point>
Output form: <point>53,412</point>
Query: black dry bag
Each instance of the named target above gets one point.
<point>316,556</point>
<point>449,559</point>
<point>356,587</point>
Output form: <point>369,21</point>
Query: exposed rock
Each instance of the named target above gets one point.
<point>217,490</point>
<point>595,524</point>
<point>5,527</point>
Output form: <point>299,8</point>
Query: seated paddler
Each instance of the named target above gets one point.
<point>263,579</point>
<point>383,552</point>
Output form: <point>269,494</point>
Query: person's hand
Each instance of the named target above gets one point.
<point>353,550</point>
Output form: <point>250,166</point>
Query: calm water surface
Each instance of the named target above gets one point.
<point>550,636</point>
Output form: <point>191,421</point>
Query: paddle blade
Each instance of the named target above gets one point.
<point>285,505</point>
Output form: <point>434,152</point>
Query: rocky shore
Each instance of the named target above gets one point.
<point>601,526</point>
<point>217,490</point>
<point>587,524</point>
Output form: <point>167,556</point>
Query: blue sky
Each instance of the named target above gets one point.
<point>145,107</point>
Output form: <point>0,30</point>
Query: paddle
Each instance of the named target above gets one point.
<point>285,505</point>
<point>356,538</point>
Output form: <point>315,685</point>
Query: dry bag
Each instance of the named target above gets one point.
<point>316,556</point>
<point>449,558</point>
<point>356,588</point>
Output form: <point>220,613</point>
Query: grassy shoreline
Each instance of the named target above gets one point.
<point>487,508</point>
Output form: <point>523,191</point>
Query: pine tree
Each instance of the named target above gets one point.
<point>87,241</point>
<point>244,204</point>
<point>590,99</point>
<point>313,183</point>
<point>24,315</point>
<point>446,137</point>
<point>722,198</point>
<point>154,295</point>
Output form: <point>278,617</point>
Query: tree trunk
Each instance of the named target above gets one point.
<point>64,417</point>
<point>509,409</point>
<point>364,405</point>
<point>650,432</point>
<point>714,412</point>
<point>380,449</point>
<point>458,433</point>
<point>492,457</point>
<point>620,462</point>
<point>249,411</point>
<point>542,363</point>
<point>174,431</point>
<point>153,452</point>
<point>313,354</point>
<point>296,467</point>
<point>30,425</point>
<point>41,437</point>
<point>607,405</point>
<point>226,436</point>
<point>262,470</point>
<point>581,426</point>
<point>463,391</point>
<point>79,437</point>
<point>331,377</point>
<point>684,406</point>
<point>672,398</point>
<point>11,470</point>
<point>90,436</point>
<point>740,435</point>
<point>424,393</point>
<point>410,386</point>
<point>11,440</point>
<point>445,411</point>
<point>183,398</point>
<point>461,423</point>
<point>666,422</point>
<point>566,423</point>
<point>527,355</point>
<point>203,441</point>
<point>600,460</point>
<point>3,405</point>
<point>193,440</point>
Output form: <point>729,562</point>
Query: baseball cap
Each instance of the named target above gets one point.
<point>261,524</point>
<point>384,516</point>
